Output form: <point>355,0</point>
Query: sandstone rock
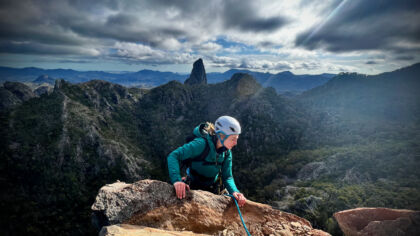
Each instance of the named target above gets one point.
<point>152,203</point>
<point>134,230</point>
<point>378,221</point>
<point>198,74</point>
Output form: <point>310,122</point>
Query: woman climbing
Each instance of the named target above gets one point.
<point>208,156</point>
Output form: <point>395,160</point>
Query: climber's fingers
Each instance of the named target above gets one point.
<point>240,198</point>
<point>180,189</point>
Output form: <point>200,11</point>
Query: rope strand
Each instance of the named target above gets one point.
<point>242,219</point>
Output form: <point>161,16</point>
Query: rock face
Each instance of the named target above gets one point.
<point>21,91</point>
<point>153,204</point>
<point>243,84</point>
<point>332,166</point>
<point>43,89</point>
<point>44,79</point>
<point>378,221</point>
<point>13,94</point>
<point>198,74</point>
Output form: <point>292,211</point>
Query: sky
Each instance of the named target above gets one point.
<point>304,37</point>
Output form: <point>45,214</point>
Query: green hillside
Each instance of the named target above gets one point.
<point>351,142</point>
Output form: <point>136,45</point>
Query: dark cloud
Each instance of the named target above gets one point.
<point>371,63</point>
<point>65,23</point>
<point>38,23</point>
<point>309,66</point>
<point>121,20</point>
<point>59,24</point>
<point>405,58</point>
<point>43,49</point>
<point>243,16</point>
<point>222,62</point>
<point>75,61</point>
<point>365,25</point>
<point>94,5</point>
<point>266,44</point>
<point>258,25</point>
<point>280,66</point>
<point>185,6</point>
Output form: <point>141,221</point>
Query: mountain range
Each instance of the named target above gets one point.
<point>283,82</point>
<point>350,142</point>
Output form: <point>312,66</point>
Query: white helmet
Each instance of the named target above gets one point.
<point>227,125</point>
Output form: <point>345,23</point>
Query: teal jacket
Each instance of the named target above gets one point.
<point>195,148</point>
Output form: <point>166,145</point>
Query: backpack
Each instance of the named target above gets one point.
<point>201,157</point>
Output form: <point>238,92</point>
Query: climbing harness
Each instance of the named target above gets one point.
<point>239,211</point>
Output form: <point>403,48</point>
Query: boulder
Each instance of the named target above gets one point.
<point>378,221</point>
<point>152,203</point>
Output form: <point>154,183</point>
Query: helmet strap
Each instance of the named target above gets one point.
<point>220,138</point>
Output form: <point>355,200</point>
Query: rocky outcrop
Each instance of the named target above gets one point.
<point>334,167</point>
<point>198,74</point>
<point>135,230</point>
<point>153,204</point>
<point>378,221</point>
<point>21,91</point>
<point>243,84</point>
<point>43,89</point>
<point>44,79</point>
<point>13,94</point>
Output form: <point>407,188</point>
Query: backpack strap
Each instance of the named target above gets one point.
<point>203,155</point>
<point>207,163</point>
<point>200,157</point>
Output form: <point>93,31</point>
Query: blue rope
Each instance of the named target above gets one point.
<point>242,219</point>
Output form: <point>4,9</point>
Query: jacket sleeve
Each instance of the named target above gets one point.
<point>188,150</point>
<point>227,177</point>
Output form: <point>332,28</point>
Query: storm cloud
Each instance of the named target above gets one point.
<point>242,15</point>
<point>262,34</point>
<point>367,25</point>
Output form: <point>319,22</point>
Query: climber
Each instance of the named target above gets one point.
<point>207,156</point>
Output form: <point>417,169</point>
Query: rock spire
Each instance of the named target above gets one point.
<point>198,74</point>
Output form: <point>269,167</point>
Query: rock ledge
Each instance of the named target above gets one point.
<point>151,203</point>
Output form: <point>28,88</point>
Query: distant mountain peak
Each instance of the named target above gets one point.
<point>198,74</point>
<point>286,73</point>
<point>44,79</point>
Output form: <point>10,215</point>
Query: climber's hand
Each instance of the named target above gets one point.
<point>180,189</point>
<point>240,198</point>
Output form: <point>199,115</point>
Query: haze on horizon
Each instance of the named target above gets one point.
<point>305,37</point>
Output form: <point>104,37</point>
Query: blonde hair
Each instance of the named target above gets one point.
<point>209,128</point>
